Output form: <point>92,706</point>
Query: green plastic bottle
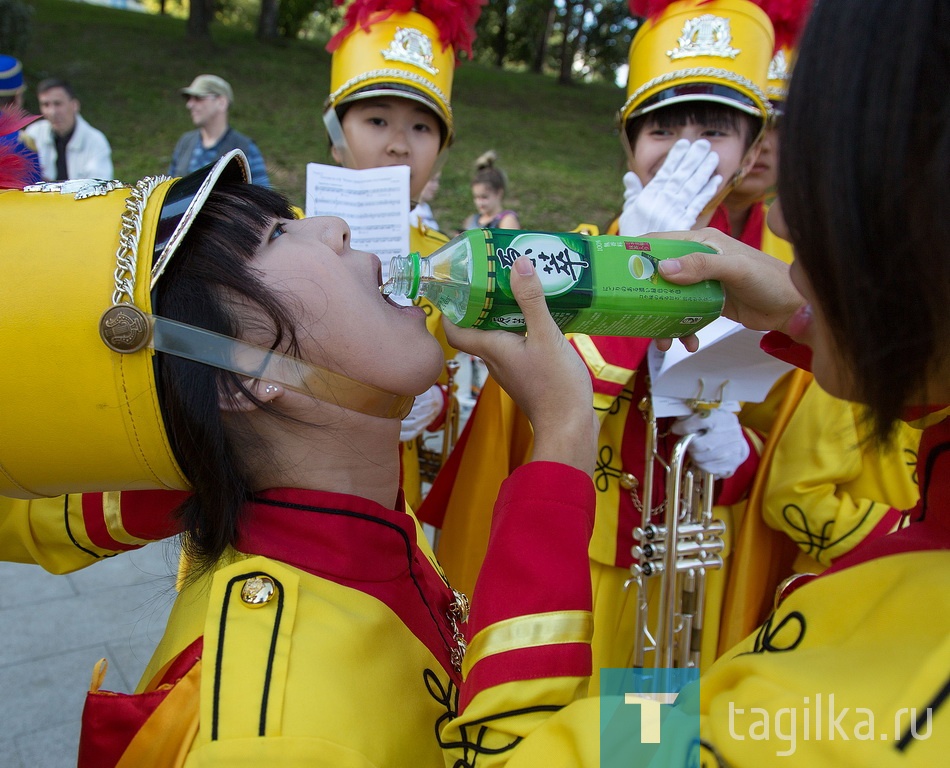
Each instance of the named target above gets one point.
<point>602,285</point>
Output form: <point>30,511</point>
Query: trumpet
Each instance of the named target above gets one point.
<point>677,541</point>
<point>432,459</point>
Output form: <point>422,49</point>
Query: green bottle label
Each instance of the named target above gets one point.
<point>604,285</point>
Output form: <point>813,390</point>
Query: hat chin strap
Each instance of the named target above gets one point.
<point>337,138</point>
<point>214,349</point>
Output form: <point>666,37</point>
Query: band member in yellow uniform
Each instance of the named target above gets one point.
<point>390,103</point>
<point>696,105</point>
<point>219,345</point>
<point>823,486</point>
<point>829,646</point>
<point>851,669</point>
<point>390,96</point>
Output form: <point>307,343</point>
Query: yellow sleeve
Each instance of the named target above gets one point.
<point>830,485</point>
<point>47,532</point>
<point>65,533</point>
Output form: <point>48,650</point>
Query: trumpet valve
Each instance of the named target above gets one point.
<point>649,532</point>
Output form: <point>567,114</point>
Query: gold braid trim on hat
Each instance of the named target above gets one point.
<point>395,75</point>
<point>704,72</point>
<point>126,254</point>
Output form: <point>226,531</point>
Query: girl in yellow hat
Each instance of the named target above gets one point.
<point>696,105</point>
<point>391,77</point>
<point>217,344</point>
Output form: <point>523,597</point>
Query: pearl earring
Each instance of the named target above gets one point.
<point>270,389</point>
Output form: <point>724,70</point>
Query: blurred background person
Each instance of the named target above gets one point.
<point>489,186</point>
<point>12,121</point>
<point>208,99</point>
<point>68,147</point>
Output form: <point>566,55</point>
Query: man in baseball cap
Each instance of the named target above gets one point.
<point>208,99</point>
<point>209,85</point>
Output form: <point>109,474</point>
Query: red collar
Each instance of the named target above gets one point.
<point>335,535</point>
<point>359,544</point>
<point>751,233</point>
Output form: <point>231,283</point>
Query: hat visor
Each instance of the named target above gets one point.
<point>185,198</point>
<point>717,94</point>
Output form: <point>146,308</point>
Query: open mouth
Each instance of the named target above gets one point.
<point>379,281</point>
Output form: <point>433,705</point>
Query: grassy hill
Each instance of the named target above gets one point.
<point>557,144</point>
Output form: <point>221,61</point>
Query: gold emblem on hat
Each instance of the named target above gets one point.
<point>778,67</point>
<point>80,188</point>
<point>124,328</point>
<point>410,46</point>
<point>258,591</point>
<point>705,35</point>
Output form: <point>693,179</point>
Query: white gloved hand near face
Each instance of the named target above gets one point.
<point>676,196</point>
<point>425,409</point>
<point>720,446</point>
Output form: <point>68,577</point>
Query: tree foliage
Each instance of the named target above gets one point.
<point>586,39</point>
<point>577,39</point>
<point>16,21</point>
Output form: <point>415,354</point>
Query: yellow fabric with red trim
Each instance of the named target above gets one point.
<point>820,680</point>
<point>259,704</point>
<point>61,536</point>
<point>832,484</point>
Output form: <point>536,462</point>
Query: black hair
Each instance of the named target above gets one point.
<point>55,82</point>
<point>863,179</point>
<point>211,283</point>
<point>704,112</point>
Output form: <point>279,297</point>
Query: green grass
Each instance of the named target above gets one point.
<point>557,144</point>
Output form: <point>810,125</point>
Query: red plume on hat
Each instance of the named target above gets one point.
<point>650,9</point>
<point>455,19</point>
<point>16,169</point>
<point>788,18</point>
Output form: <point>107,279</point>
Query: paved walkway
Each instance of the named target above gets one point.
<point>53,629</point>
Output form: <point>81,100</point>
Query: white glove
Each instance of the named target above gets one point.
<point>676,196</point>
<point>719,446</point>
<point>427,406</point>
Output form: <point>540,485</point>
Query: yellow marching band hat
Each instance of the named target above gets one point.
<point>788,18</point>
<point>80,410</point>
<point>699,50</point>
<point>405,48</point>
<point>79,264</point>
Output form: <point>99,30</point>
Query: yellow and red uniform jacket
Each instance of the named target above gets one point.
<point>349,662</point>
<point>65,533</point>
<point>852,668</point>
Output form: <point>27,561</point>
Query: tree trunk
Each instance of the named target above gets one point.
<point>567,47</point>
<point>501,40</point>
<point>200,13</point>
<point>267,22</point>
<point>541,49</point>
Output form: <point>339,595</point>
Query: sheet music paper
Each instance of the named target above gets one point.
<point>729,362</point>
<point>374,202</point>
